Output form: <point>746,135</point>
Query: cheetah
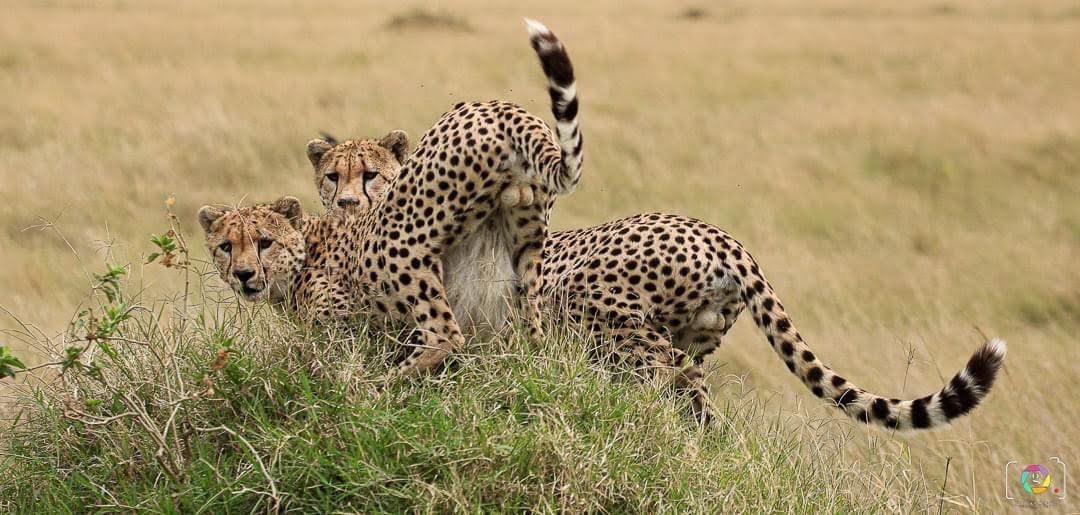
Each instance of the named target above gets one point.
<point>391,259</point>
<point>662,291</point>
<point>665,289</point>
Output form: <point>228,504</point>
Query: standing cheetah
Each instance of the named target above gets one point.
<point>662,290</point>
<point>392,258</point>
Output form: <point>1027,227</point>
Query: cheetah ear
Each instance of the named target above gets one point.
<point>329,138</point>
<point>289,207</point>
<point>396,142</point>
<point>208,215</point>
<point>316,149</point>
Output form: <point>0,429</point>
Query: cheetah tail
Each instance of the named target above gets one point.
<point>564,102</point>
<point>963,393</point>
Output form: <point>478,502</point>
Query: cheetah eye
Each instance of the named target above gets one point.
<point>370,176</point>
<point>332,176</point>
<point>225,247</point>
<point>265,243</point>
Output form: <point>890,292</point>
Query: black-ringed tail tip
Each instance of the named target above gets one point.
<point>963,393</point>
<point>562,87</point>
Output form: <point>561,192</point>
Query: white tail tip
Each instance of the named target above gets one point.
<point>536,28</point>
<point>997,346</point>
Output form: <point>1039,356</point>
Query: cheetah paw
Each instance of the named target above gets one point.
<point>518,194</point>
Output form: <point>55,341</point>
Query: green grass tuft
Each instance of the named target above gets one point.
<point>918,169</point>
<point>1041,309</point>
<point>421,19</point>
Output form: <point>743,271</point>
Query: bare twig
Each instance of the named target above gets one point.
<point>262,467</point>
<point>941,498</point>
<point>93,420</point>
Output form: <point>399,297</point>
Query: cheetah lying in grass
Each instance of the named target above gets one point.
<point>391,258</point>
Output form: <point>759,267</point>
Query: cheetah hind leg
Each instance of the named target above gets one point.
<point>527,226</point>
<point>437,332</point>
<point>653,357</point>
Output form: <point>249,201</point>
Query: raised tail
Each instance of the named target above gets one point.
<point>564,102</point>
<point>963,393</point>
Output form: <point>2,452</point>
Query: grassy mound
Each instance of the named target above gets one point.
<point>200,405</point>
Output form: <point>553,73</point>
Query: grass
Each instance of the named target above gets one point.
<point>420,19</point>
<point>906,175</point>
<point>200,405</point>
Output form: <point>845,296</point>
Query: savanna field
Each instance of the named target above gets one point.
<point>907,175</point>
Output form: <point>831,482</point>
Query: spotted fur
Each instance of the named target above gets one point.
<point>391,258</point>
<point>662,290</point>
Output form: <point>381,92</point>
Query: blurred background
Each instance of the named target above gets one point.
<point>907,174</point>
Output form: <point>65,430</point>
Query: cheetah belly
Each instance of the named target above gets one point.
<point>478,274</point>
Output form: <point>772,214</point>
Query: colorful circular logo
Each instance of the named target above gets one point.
<point>1035,479</point>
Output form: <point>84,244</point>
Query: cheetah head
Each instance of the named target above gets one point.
<point>352,175</point>
<point>258,250</point>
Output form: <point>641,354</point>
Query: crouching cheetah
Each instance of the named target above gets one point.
<point>392,257</point>
<point>662,290</point>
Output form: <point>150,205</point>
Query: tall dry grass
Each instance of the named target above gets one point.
<point>908,175</point>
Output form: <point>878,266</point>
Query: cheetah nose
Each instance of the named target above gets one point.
<point>243,274</point>
<point>345,202</point>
